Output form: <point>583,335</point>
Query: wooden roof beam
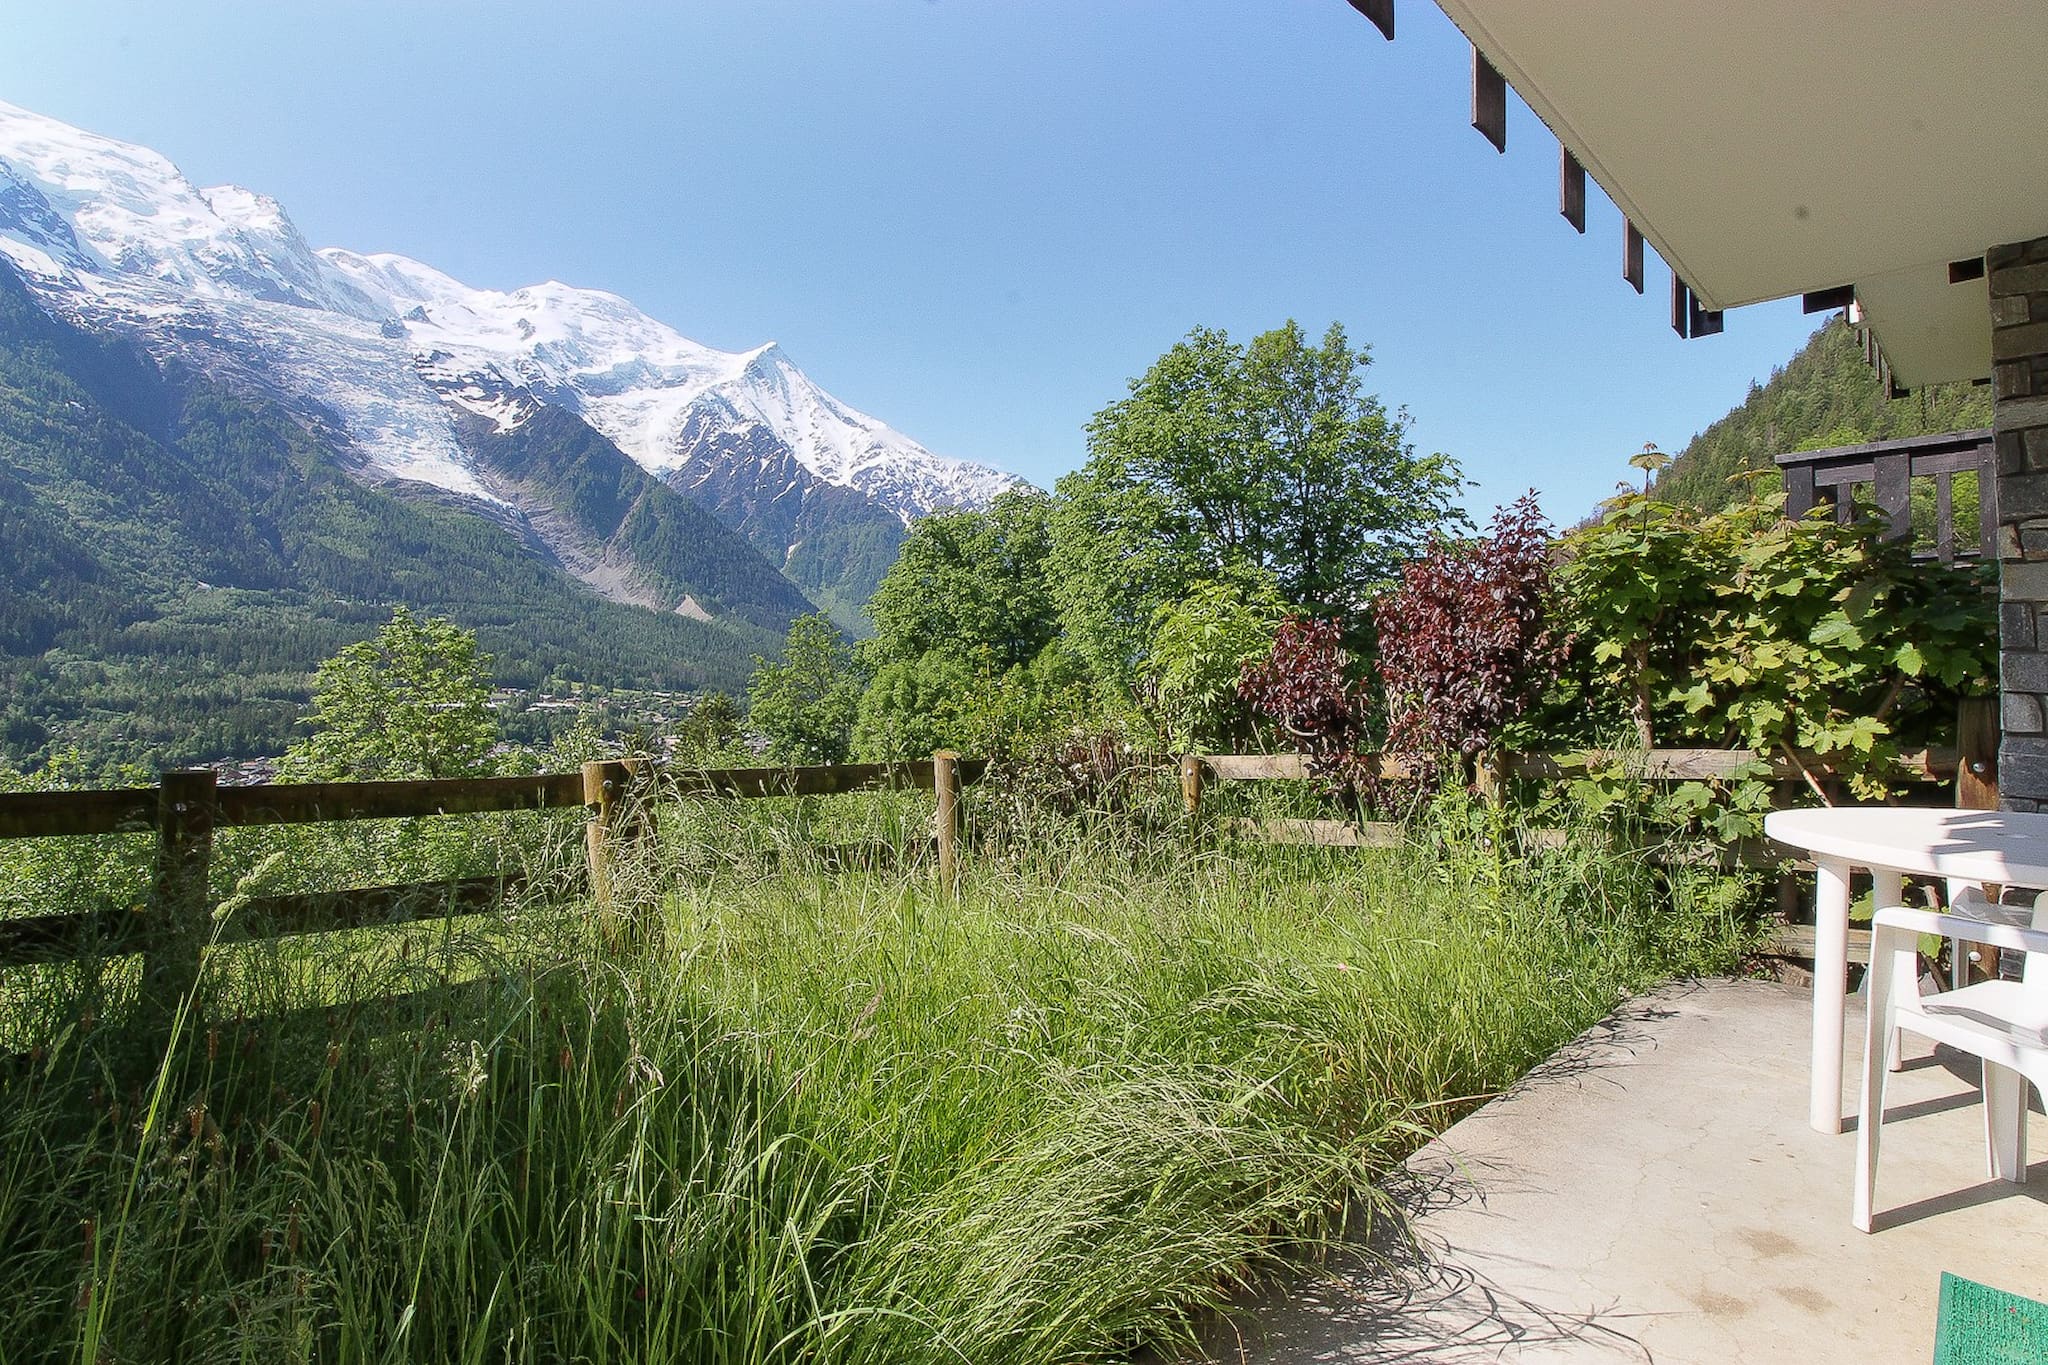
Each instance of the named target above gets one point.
<point>1571,188</point>
<point>1381,12</point>
<point>1828,300</point>
<point>1489,102</point>
<point>1703,322</point>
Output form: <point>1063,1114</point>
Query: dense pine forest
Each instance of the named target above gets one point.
<point>1826,395</point>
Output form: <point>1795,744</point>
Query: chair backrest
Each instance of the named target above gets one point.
<point>2034,971</point>
<point>1968,898</point>
<point>2033,966</point>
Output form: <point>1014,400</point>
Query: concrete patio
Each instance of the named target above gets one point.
<point>1653,1193</point>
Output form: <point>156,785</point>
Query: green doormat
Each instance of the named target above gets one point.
<point>1980,1325</point>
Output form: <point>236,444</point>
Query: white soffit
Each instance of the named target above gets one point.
<point>1775,147</point>
<point>1930,330</point>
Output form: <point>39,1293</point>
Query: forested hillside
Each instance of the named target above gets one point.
<point>1825,395</point>
<point>175,558</point>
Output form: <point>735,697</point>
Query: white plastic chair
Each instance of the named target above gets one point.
<point>2002,1023</point>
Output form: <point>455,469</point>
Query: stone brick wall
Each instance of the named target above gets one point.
<point>2018,275</point>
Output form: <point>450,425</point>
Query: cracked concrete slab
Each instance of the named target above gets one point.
<point>1653,1193</point>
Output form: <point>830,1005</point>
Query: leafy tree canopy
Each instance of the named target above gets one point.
<point>972,582</point>
<point>1200,647</point>
<point>804,703</point>
<point>1226,459</point>
<point>412,701</point>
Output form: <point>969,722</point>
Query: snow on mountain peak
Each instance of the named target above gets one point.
<point>133,215</point>
<point>115,235</point>
<point>640,382</point>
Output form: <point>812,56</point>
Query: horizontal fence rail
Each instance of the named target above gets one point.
<point>34,815</point>
<point>1656,765</point>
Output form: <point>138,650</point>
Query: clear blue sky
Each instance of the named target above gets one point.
<point>975,219</point>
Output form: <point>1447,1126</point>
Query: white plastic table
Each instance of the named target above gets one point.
<point>1967,845</point>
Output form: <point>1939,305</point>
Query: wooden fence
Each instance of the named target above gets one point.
<point>1975,778</point>
<point>1830,477</point>
<point>1970,769</point>
<point>186,808</point>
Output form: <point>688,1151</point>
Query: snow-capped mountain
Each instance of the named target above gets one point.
<point>649,388</point>
<point>397,359</point>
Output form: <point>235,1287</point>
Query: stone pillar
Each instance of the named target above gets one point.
<point>2018,275</point>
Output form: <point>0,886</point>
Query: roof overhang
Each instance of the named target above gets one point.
<point>1768,148</point>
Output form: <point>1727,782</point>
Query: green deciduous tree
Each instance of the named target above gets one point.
<point>412,701</point>
<point>713,726</point>
<point>1226,459</point>
<point>804,703</point>
<point>1200,648</point>
<point>914,706</point>
<point>970,582</point>
<point>965,653</point>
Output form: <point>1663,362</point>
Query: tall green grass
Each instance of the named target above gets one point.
<point>800,1111</point>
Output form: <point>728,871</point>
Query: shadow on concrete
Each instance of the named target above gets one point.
<point>1397,1294</point>
<point>1984,1192</point>
<point>1395,1297</point>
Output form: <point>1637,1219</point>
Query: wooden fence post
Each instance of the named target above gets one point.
<point>1193,776</point>
<point>1791,893</point>
<point>183,909</point>
<point>1487,777</point>
<point>1977,727</point>
<point>1977,753</point>
<point>639,831</point>
<point>606,786</point>
<point>946,789</point>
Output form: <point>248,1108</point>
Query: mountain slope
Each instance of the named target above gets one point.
<point>619,529</point>
<point>642,383</point>
<point>176,555</point>
<point>391,362</point>
<point>1825,395</point>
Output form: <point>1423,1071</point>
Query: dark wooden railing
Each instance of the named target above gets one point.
<point>1815,478</point>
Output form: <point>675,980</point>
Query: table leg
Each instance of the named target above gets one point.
<point>1830,992</point>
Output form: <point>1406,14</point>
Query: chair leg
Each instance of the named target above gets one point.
<point>1888,889</point>
<point>2005,1122</point>
<point>1878,1035</point>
